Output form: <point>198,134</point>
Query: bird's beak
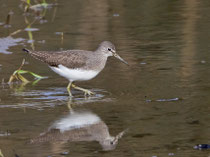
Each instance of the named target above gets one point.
<point>118,57</point>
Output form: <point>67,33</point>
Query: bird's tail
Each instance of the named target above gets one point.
<point>40,55</point>
<point>26,50</point>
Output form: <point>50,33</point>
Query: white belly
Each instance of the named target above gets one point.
<point>74,74</point>
<point>76,120</point>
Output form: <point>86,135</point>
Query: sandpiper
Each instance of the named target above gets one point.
<point>77,65</point>
<point>79,126</point>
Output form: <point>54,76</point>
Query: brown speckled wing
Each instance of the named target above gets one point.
<point>70,58</point>
<point>52,135</point>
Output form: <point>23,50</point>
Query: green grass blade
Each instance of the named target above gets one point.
<point>23,79</point>
<point>12,77</point>
<point>35,82</point>
<point>22,71</point>
<point>28,2</point>
<point>36,75</point>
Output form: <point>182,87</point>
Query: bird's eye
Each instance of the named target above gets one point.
<point>109,49</point>
<point>111,142</point>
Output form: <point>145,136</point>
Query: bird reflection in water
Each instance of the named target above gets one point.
<point>80,126</point>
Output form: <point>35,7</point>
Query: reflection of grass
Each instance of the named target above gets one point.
<point>39,9</point>
<point>17,75</point>
<point>36,7</point>
<point>30,35</point>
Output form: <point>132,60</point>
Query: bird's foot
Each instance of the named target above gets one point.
<point>86,91</point>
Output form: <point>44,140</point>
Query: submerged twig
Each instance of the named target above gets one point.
<point>62,38</point>
<point>16,32</point>
<point>8,19</point>
<point>20,30</point>
<point>54,13</point>
<point>22,64</point>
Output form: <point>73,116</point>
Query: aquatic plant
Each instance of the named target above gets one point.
<point>17,75</point>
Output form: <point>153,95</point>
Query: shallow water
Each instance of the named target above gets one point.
<point>162,98</point>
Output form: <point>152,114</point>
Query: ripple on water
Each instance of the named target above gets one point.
<point>40,99</point>
<point>31,29</point>
<point>164,100</point>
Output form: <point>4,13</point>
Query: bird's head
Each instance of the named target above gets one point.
<point>109,50</point>
<point>111,142</point>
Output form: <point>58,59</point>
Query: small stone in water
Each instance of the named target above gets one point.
<point>203,62</point>
<point>143,63</point>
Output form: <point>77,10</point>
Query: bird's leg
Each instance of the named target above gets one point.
<point>70,105</point>
<point>69,88</point>
<point>87,92</point>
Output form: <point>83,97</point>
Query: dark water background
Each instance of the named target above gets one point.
<point>163,97</point>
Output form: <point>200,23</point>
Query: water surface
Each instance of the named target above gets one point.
<point>162,98</point>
